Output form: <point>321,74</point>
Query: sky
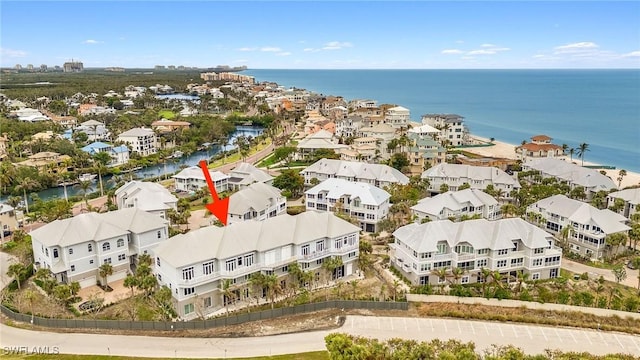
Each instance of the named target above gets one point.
<point>323,34</point>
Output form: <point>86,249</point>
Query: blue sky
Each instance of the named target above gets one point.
<point>323,34</point>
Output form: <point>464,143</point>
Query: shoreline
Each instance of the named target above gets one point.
<point>502,149</point>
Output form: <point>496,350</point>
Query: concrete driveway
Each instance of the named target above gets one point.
<point>532,339</point>
<point>5,261</point>
<point>576,267</point>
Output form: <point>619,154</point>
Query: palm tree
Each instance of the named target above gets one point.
<point>354,288</point>
<point>27,184</point>
<point>130,282</point>
<point>31,296</point>
<point>84,188</point>
<point>457,273</point>
<point>582,151</point>
<point>273,287</point>
<point>101,160</point>
<point>571,152</point>
<point>441,273</point>
<point>105,270</point>
<point>227,293</point>
<point>621,174</point>
<point>15,271</point>
<point>522,278</point>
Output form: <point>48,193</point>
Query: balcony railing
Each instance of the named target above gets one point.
<point>198,280</point>
<point>314,255</point>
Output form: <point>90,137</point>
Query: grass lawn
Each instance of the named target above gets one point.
<point>235,156</point>
<point>167,114</point>
<point>316,355</point>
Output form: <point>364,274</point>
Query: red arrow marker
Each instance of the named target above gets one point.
<point>220,207</point>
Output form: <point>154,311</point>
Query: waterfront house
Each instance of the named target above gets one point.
<point>423,152</point>
<point>573,175</point>
<point>453,131</point>
<point>8,220</point>
<point>540,146</point>
<point>397,117</point>
<point>257,201</point>
<point>73,249</point>
<point>588,226</point>
<point>507,246</point>
<point>364,202</point>
<point>246,174</point>
<point>382,132</point>
<point>348,126</point>
<point>455,204</point>
<point>631,198</point>
<point>375,174</point>
<point>195,265</point>
<point>141,140</point>
<point>95,130</point>
<point>478,177</point>
<point>147,196</point>
<point>49,162</point>
<point>119,154</point>
<point>192,179</point>
<point>362,149</point>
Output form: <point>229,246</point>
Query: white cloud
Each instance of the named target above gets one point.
<point>91,42</point>
<point>336,45</point>
<point>632,54</point>
<point>459,41</point>
<point>576,47</point>
<point>538,56</point>
<point>246,49</point>
<point>270,49</point>
<point>310,50</point>
<point>487,45</point>
<point>284,53</point>
<point>451,51</point>
<point>12,53</point>
<point>488,49</point>
<point>481,52</point>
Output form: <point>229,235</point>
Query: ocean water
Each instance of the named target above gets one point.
<point>597,107</point>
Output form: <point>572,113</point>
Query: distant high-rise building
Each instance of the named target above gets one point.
<point>73,66</point>
<point>171,67</point>
<point>159,67</point>
<point>30,67</point>
<point>18,67</point>
<point>43,67</point>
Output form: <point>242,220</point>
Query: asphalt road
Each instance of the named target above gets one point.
<point>532,339</point>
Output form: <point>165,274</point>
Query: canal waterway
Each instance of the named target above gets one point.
<point>170,167</point>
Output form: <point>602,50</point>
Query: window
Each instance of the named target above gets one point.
<point>538,251</point>
<point>319,246</point>
<point>535,276</point>
<point>208,268</point>
<point>305,249</point>
<point>207,302</point>
<point>188,309</point>
<point>90,262</point>
<point>502,263</point>
<point>106,246</point>
<point>73,268</point>
<point>230,265</point>
<point>483,251</point>
<point>160,237</point>
<point>158,262</point>
<point>338,243</point>
<point>464,249</point>
<point>55,253</point>
<point>187,273</point>
<point>285,268</point>
<point>424,280</point>
<point>304,265</point>
<point>121,257</point>
<point>189,291</point>
<point>89,247</point>
<point>464,280</point>
<point>159,277</point>
<point>482,263</point>
<point>503,251</point>
<point>107,260</point>
<point>537,262</point>
<point>248,260</point>
<point>70,251</point>
<point>442,248</point>
<point>319,261</point>
<point>120,242</point>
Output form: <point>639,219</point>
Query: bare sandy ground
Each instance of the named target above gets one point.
<point>506,150</point>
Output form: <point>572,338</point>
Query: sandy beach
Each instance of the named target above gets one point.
<point>507,151</point>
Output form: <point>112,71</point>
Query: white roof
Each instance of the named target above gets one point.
<point>195,172</point>
<point>4,208</point>
<point>583,213</point>
<point>359,170</point>
<point>631,196</point>
<point>454,201</point>
<point>424,129</point>
<point>379,128</point>
<point>480,233</point>
<point>248,174</point>
<point>257,196</point>
<point>243,237</point>
<point>148,196</point>
<point>576,174</point>
<point>137,132</point>
<point>336,188</point>
<point>95,227</point>
<point>459,171</point>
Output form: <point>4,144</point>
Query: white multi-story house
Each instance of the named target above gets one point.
<point>507,246</point>
<point>94,129</point>
<point>349,126</point>
<point>147,196</point>
<point>375,174</point>
<point>455,204</point>
<point>574,175</point>
<point>246,174</point>
<point>478,177</point>
<point>451,126</point>
<point>141,140</point>
<point>192,179</point>
<point>365,202</point>
<point>195,265</point>
<point>8,220</point>
<point>588,226</point>
<point>257,201</point>
<point>74,248</point>
<point>398,117</point>
<point>384,133</point>
<point>119,154</point>
<point>631,198</point>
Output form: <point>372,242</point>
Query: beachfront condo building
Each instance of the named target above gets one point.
<point>453,205</point>
<point>73,249</point>
<point>365,202</point>
<point>397,117</point>
<point>478,177</point>
<point>257,201</point>
<point>588,227</point>
<point>507,246</point>
<point>453,132</point>
<point>195,265</point>
<point>630,199</point>
<point>423,152</point>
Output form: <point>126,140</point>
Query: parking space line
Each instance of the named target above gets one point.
<point>486,329</point>
<point>636,344</point>
<point>573,337</point>
<point>431,324</point>
<point>379,326</point>
<point>544,334</point>
<point>459,329</point>
<point>418,324</point>
<point>501,333</point>
<point>603,339</point>
<point>618,340</point>
<point>405,324</point>
<point>515,333</point>
<point>444,322</point>
<point>530,336</point>
<point>586,334</point>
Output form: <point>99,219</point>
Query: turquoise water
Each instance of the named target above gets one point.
<point>598,107</point>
